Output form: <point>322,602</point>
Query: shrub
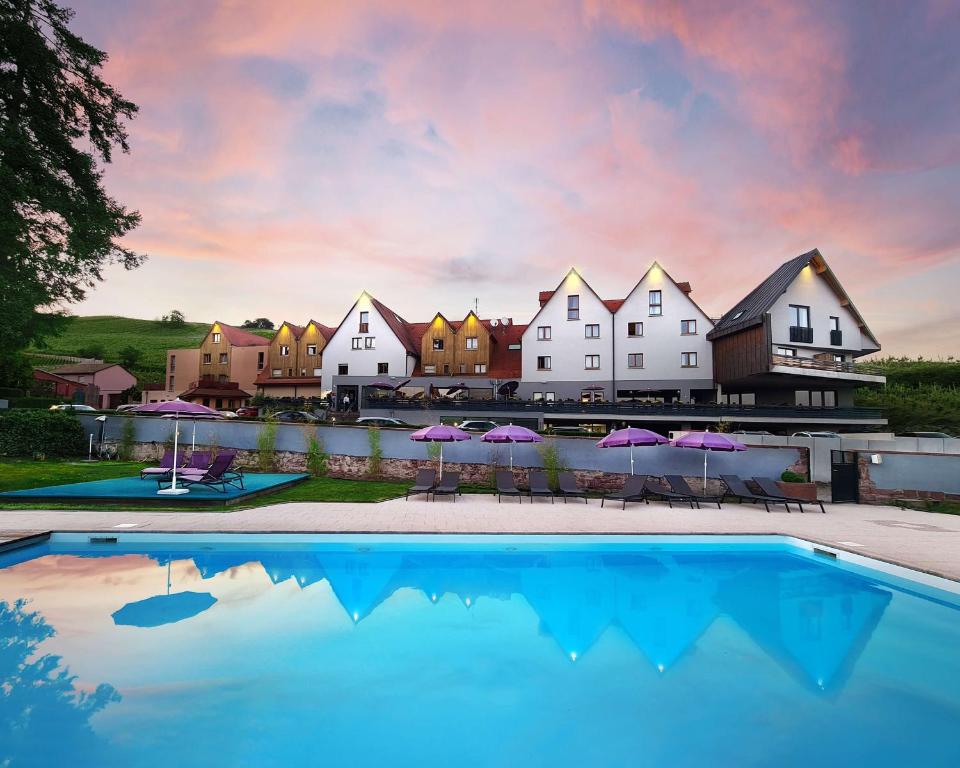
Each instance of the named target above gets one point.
<point>317,455</point>
<point>266,446</point>
<point>792,477</point>
<point>47,433</point>
<point>128,434</point>
<point>552,462</point>
<point>35,402</point>
<point>376,452</point>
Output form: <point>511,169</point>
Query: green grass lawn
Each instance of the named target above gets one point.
<point>943,507</point>
<point>18,474</point>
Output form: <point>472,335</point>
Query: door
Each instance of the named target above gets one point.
<point>844,477</point>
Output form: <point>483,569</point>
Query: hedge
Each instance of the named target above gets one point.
<point>35,402</point>
<point>46,433</point>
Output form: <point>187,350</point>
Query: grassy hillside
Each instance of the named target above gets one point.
<point>920,395</point>
<point>152,337</point>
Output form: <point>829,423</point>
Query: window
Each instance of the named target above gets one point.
<point>355,342</point>
<point>635,360</point>
<point>786,351</point>
<point>173,363</point>
<point>573,307</point>
<point>834,323</point>
<point>543,363</point>
<point>370,342</point>
<point>284,350</point>
<point>207,358</point>
<point>537,397</point>
<point>836,335</point>
<point>171,384</point>
<point>688,327</point>
<point>260,362</point>
<point>364,322</point>
<point>544,332</point>
<point>816,398</point>
<point>591,331</point>
<point>383,368</point>
<point>303,371</point>
<point>799,316</point>
<point>222,378</point>
<point>472,342</point>
<point>656,303</point>
<point>223,358</point>
<point>342,369</point>
<point>550,396</point>
<point>317,371</point>
<point>591,362</point>
<point>688,359</point>
<point>739,398</point>
<point>514,347</point>
<point>438,345</point>
<point>480,368</point>
<point>446,369</point>
<point>463,368</point>
<point>311,349</point>
<point>276,373</point>
<point>634,329</point>
<point>216,338</point>
<point>838,358</point>
<point>429,369</point>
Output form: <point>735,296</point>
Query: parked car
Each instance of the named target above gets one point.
<point>127,407</point>
<point>295,417</point>
<point>72,407</point>
<point>380,421</point>
<point>751,432</point>
<point>940,435</point>
<point>817,434</point>
<point>228,414</point>
<point>248,412</point>
<point>477,425</point>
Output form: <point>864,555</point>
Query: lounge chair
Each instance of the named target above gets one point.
<point>633,490</point>
<point>506,485</point>
<point>426,480</point>
<point>166,466</point>
<point>449,485</point>
<point>567,483</point>
<point>737,488</point>
<point>199,460</point>
<point>678,484</point>
<point>770,487</point>
<point>655,490</point>
<point>539,485</point>
<point>217,476</point>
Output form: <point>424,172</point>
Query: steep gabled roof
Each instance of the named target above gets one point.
<point>239,337</point>
<point>749,311</point>
<point>683,286</point>
<point>325,330</point>
<point>545,296</point>
<point>78,368</point>
<point>396,324</point>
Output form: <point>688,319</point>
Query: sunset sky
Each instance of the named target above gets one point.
<point>290,154</point>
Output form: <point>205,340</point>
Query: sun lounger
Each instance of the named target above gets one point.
<point>770,487</point>
<point>218,476</point>
<point>449,485</point>
<point>166,466</point>
<point>633,490</point>
<point>567,482</point>
<point>506,486</point>
<point>539,485</point>
<point>679,485</point>
<point>737,488</point>
<point>426,480</point>
<point>655,490</point>
<point>199,460</point>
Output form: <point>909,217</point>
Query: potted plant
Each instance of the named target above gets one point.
<point>796,485</point>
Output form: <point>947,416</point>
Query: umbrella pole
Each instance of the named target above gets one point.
<point>441,460</point>
<point>193,445</point>
<point>176,434</point>
<point>631,458</point>
<point>705,472</point>
<point>511,457</point>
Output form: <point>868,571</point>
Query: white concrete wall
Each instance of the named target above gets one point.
<point>662,342</point>
<point>812,290</point>
<point>363,362</point>
<point>568,345</point>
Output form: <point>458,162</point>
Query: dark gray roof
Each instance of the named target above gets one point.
<point>750,310</point>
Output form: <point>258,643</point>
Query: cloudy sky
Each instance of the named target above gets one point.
<point>289,154</point>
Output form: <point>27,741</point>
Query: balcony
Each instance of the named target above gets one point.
<point>811,364</point>
<point>836,338</point>
<point>800,334</point>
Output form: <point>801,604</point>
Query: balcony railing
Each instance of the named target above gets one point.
<point>800,334</point>
<point>636,409</point>
<point>836,338</point>
<point>809,363</point>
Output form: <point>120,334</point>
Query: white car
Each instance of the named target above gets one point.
<point>816,434</point>
<point>380,421</point>
<point>76,407</point>
<point>477,425</point>
<point>127,407</point>
<point>228,414</point>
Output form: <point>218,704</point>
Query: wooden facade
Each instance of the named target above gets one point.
<point>442,360</point>
<point>311,339</point>
<point>215,352</point>
<point>742,354</point>
<point>284,340</point>
<point>466,360</point>
<point>455,358</point>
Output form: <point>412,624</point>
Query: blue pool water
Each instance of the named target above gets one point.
<point>493,651</point>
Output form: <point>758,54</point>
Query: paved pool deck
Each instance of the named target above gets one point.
<point>920,540</point>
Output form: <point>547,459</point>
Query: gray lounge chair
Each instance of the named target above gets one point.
<point>738,489</point>
<point>567,483</point>
<point>678,484</point>
<point>655,490</point>
<point>633,490</point>
<point>426,480</point>
<point>770,487</point>
<point>449,485</point>
<point>539,485</point>
<point>506,486</point>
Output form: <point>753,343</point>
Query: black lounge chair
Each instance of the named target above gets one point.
<point>678,484</point>
<point>506,486</point>
<point>633,490</point>
<point>426,480</point>
<point>539,485</point>
<point>770,487</point>
<point>654,490</point>
<point>217,476</point>
<point>165,468</point>
<point>737,489</point>
<point>567,483</point>
<point>449,485</point>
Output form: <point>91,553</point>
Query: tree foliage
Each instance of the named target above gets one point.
<point>59,120</point>
<point>920,395</point>
<point>175,319</point>
<point>129,356</point>
<point>260,322</point>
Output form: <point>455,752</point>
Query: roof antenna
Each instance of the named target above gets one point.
<point>476,307</point>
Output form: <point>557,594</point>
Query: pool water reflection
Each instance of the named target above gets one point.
<point>431,654</point>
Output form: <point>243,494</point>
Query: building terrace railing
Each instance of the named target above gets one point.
<point>677,410</point>
<point>826,365</point>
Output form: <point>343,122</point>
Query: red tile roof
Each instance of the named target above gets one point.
<point>613,304</point>
<point>241,338</point>
<point>545,296</point>
<point>398,325</point>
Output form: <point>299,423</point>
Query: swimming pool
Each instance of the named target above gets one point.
<point>206,650</point>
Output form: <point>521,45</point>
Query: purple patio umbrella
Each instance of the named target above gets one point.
<point>629,437</point>
<point>511,433</point>
<point>176,408</point>
<point>440,433</point>
<point>708,441</point>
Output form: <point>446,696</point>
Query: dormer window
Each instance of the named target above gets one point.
<point>438,345</point>
<point>573,307</point>
<point>216,338</point>
<point>311,349</point>
<point>364,322</point>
